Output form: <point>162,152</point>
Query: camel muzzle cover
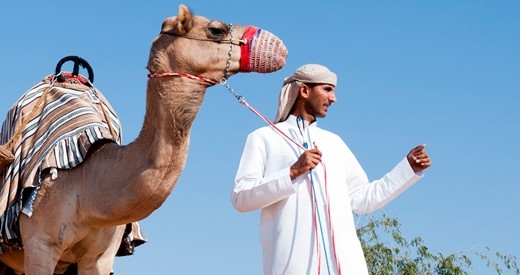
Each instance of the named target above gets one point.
<point>263,51</point>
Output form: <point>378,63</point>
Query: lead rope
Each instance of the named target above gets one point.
<point>333,239</point>
<point>243,101</point>
<point>316,212</point>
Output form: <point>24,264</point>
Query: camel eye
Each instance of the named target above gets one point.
<point>217,33</point>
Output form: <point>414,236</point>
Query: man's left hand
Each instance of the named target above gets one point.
<point>418,158</point>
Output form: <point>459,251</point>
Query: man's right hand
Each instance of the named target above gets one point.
<point>307,161</point>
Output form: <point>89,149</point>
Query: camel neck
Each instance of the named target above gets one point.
<point>171,107</point>
<point>149,167</point>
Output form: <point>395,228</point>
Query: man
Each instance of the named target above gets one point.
<point>307,196</point>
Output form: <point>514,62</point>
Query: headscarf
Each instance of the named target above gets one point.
<point>309,73</point>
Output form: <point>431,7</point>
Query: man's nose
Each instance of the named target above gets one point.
<point>332,97</point>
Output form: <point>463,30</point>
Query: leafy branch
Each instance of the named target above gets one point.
<point>388,252</point>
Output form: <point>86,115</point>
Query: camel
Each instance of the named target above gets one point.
<point>121,184</point>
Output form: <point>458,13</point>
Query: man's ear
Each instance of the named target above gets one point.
<point>304,91</point>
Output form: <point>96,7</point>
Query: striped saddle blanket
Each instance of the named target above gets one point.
<point>72,117</point>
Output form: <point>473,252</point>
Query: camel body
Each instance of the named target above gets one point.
<point>115,185</point>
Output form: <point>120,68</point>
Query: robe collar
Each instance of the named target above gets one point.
<point>293,120</point>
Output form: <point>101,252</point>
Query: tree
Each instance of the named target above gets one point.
<point>388,252</point>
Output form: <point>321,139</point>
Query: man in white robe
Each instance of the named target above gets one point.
<point>308,184</point>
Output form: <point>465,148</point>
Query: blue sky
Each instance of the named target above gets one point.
<point>443,73</point>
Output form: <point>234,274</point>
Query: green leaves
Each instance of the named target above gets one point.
<point>387,251</point>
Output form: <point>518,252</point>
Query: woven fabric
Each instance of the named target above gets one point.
<point>263,51</point>
<point>67,124</point>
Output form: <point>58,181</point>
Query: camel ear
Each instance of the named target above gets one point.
<point>178,25</point>
<point>184,22</point>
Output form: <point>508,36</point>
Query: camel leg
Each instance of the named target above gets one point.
<point>40,256</point>
<point>103,264</point>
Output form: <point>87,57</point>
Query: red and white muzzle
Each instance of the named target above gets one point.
<point>262,52</point>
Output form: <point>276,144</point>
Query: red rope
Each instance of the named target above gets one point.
<point>333,239</point>
<point>315,220</point>
<point>243,101</point>
<point>190,76</point>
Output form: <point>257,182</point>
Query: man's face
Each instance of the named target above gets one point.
<point>321,96</point>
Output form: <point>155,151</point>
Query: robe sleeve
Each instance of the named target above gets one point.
<point>367,196</point>
<point>253,188</point>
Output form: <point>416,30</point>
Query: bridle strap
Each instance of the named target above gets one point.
<point>200,78</point>
<point>205,80</point>
<point>234,42</point>
<point>231,40</point>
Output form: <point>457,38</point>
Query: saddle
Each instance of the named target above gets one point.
<point>30,148</point>
<point>6,150</point>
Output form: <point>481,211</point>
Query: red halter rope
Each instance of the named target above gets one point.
<point>202,79</point>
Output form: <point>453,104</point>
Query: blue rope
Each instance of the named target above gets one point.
<point>318,215</point>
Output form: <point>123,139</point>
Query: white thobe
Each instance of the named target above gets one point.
<point>287,224</point>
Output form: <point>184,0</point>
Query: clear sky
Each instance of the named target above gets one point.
<point>443,73</point>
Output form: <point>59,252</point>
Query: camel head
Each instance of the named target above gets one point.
<point>213,49</point>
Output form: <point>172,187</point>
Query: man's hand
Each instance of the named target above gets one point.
<point>418,158</point>
<point>307,161</point>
